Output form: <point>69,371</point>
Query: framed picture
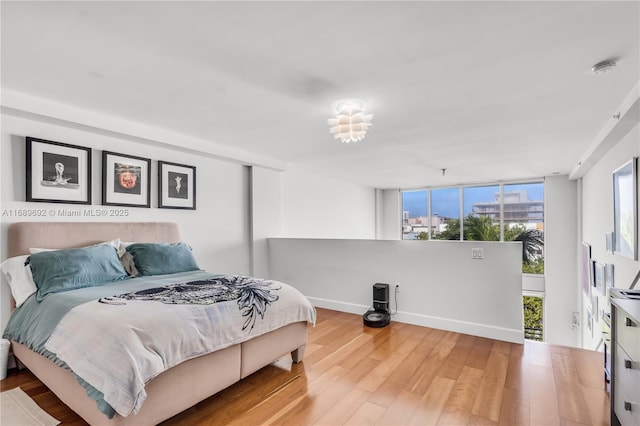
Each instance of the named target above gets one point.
<point>598,277</point>
<point>587,268</point>
<point>176,186</point>
<point>625,215</point>
<point>125,180</point>
<point>609,242</point>
<point>608,275</point>
<point>58,172</point>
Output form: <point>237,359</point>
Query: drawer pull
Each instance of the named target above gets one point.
<point>629,323</point>
<point>627,406</point>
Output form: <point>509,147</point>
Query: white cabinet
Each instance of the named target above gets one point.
<point>625,348</point>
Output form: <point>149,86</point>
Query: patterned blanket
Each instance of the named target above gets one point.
<point>119,343</point>
<point>253,294</point>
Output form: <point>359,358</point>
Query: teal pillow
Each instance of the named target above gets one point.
<point>63,270</point>
<point>162,258</point>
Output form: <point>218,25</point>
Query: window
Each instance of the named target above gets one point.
<point>533,320</point>
<point>499,212</point>
<point>445,213</point>
<point>481,221</point>
<point>524,221</point>
<point>415,215</point>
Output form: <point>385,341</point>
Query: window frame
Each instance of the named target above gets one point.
<point>461,188</point>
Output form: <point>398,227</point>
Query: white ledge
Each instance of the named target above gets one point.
<point>21,104</point>
<point>624,119</point>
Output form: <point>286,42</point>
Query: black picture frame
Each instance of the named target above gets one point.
<point>176,186</point>
<point>599,277</point>
<point>625,210</point>
<point>592,281</point>
<point>57,172</point>
<point>587,268</point>
<point>126,180</point>
<point>608,275</point>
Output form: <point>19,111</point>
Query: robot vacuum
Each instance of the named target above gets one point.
<point>376,319</point>
<point>380,315</point>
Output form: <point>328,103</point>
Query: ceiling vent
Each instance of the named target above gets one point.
<point>603,67</point>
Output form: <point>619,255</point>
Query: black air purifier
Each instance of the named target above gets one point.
<point>380,315</point>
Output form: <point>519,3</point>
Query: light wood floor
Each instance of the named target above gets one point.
<point>401,374</point>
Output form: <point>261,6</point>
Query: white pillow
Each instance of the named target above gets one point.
<point>19,277</point>
<point>122,247</point>
<point>34,250</point>
<point>114,243</point>
<point>127,259</point>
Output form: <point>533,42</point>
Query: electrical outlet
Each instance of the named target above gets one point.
<point>575,319</point>
<point>477,253</point>
<point>397,288</point>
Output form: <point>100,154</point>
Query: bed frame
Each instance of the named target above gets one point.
<point>176,389</point>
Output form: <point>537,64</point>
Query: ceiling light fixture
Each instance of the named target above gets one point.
<point>603,67</point>
<point>351,122</point>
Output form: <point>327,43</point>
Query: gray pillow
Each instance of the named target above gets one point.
<point>162,258</point>
<point>63,270</point>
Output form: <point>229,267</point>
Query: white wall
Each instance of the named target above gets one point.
<point>558,284</point>
<point>266,211</point>
<point>218,230</point>
<point>560,260</point>
<point>318,206</point>
<point>392,215</point>
<point>440,285</point>
<point>597,216</point>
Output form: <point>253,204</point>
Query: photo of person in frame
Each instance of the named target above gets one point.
<point>60,171</point>
<point>127,178</point>
<point>178,185</point>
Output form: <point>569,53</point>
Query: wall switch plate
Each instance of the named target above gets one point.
<point>477,253</point>
<point>575,319</point>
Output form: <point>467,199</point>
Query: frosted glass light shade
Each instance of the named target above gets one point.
<point>351,122</point>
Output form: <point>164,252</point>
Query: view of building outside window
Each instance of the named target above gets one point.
<point>524,221</point>
<point>445,211</point>
<point>481,220</point>
<point>416,222</point>
<point>415,216</point>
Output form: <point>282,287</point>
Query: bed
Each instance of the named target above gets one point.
<point>184,380</point>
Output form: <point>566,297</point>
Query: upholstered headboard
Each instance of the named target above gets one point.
<point>23,235</point>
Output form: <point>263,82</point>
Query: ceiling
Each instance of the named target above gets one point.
<point>486,90</point>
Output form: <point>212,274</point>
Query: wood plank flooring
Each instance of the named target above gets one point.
<point>397,375</point>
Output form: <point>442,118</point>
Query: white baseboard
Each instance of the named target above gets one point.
<point>464,327</point>
<point>335,305</point>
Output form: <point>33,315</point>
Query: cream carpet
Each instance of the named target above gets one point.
<point>17,409</point>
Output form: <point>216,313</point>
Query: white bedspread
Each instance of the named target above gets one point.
<point>118,348</point>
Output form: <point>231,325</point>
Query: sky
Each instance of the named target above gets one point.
<point>446,200</point>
